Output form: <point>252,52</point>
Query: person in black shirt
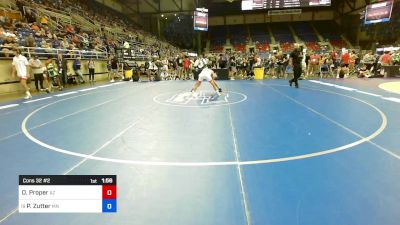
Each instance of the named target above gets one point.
<point>232,67</point>
<point>295,61</point>
<point>223,61</point>
<point>114,68</point>
<point>179,63</point>
<point>62,68</point>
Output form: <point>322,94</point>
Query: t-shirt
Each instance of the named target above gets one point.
<point>222,62</point>
<point>114,64</point>
<point>314,59</point>
<point>51,71</point>
<point>200,63</point>
<point>386,59</point>
<point>77,65</point>
<point>126,44</point>
<point>91,64</point>
<point>296,57</point>
<point>20,62</point>
<point>346,58</point>
<point>334,56</point>
<point>179,61</point>
<point>43,20</point>
<point>186,63</point>
<point>36,65</point>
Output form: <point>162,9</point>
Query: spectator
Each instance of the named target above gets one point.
<point>30,41</point>
<point>52,74</point>
<point>91,66</point>
<point>386,59</point>
<point>35,27</point>
<point>126,45</point>
<point>62,68</point>
<point>114,68</point>
<point>8,44</point>
<point>65,43</point>
<point>69,29</point>
<point>368,60</point>
<point>56,43</point>
<point>223,61</point>
<point>44,20</point>
<point>37,70</point>
<point>314,64</point>
<point>186,67</point>
<point>77,69</point>
<point>179,63</point>
<point>346,58</point>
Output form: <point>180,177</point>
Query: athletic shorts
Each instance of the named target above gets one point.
<point>205,75</point>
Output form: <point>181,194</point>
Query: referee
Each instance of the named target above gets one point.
<point>295,61</point>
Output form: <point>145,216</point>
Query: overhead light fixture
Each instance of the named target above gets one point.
<point>162,15</point>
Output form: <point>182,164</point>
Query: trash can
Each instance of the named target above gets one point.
<point>128,73</point>
<point>259,73</point>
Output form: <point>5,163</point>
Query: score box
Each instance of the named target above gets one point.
<point>67,193</point>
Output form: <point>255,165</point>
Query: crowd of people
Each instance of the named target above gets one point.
<point>49,45</point>
<point>338,63</point>
<point>34,30</point>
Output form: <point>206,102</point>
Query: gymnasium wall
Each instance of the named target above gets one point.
<point>9,84</point>
<point>113,4</point>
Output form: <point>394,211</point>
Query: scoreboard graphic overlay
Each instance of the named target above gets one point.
<point>67,193</point>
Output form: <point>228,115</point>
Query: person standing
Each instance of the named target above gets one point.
<point>179,63</point>
<point>114,68</point>
<point>77,69</point>
<point>52,74</point>
<point>222,61</point>
<point>37,70</point>
<point>295,61</point>
<point>91,66</point>
<point>20,70</point>
<point>232,68</point>
<point>62,68</point>
<point>345,65</point>
<point>186,67</point>
<point>313,64</point>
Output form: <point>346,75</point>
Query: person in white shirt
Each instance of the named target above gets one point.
<point>20,70</point>
<point>200,63</point>
<point>153,69</point>
<point>91,67</point>
<point>208,75</point>
<point>37,71</point>
<point>257,61</point>
<point>164,71</point>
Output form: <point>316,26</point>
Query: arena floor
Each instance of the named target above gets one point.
<point>262,153</point>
